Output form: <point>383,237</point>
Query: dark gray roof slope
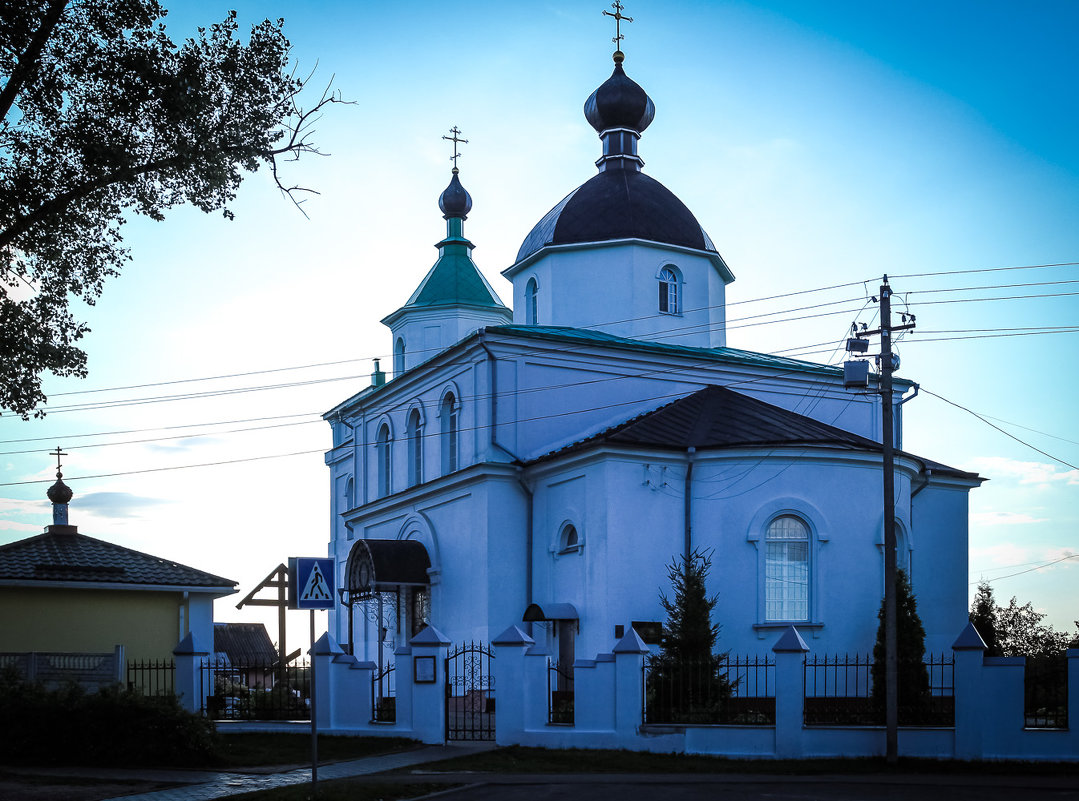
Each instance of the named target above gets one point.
<point>718,417</point>
<point>244,643</point>
<point>618,204</point>
<point>62,554</point>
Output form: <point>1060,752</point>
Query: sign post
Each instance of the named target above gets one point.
<point>311,586</point>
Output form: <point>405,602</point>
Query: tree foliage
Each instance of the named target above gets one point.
<point>103,115</point>
<point>910,648</point>
<point>687,680</point>
<point>1017,629</point>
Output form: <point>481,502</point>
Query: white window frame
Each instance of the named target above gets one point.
<point>449,410</point>
<point>670,290</point>
<point>414,436</point>
<point>383,459</point>
<point>531,301</point>
<point>398,356</point>
<point>787,578</point>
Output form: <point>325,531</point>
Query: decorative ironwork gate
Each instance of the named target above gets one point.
<point>470,693</point>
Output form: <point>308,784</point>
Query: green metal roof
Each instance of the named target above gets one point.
<point>454,280</point>
<point>733,355</point>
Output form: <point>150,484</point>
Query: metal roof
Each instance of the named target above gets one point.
<point>244,643</point>
<point>732,355</point>
<point>617,204</point>
<point>62,554</point>
<point>717,417</point>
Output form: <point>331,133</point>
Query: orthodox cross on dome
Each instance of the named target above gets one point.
<point>58,453</point>
<point>618,17</point>
<point>456,141</point>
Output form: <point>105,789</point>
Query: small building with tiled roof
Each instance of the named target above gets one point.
<point>545,467</point>
<point>66,592</point>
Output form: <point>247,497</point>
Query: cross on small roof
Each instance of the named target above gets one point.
<point>456,140</point>
<point>58,453</point>
<point>618,17</point>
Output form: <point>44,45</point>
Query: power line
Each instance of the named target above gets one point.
<point>1001,430</point>
<point>988,270</point>
<point>1030,570</point>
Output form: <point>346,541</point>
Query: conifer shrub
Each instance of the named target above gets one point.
<point>910,648</point>
<point>687,682</point>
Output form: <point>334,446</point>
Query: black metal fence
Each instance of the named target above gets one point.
<point>265,691</point>
<point>559,694</point>
<point>1045,692</point>
<point>470,692</point>
<point>734,690</point>
<point>839,692</point>
<point>152,677</point>
<point>384,696</point>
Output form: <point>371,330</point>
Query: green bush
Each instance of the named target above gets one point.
<point>112,726</point>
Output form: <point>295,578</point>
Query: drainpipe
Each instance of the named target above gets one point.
<point>688,545</point>
<point>492,365</point>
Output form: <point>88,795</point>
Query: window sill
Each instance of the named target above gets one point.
<point>772,626</point>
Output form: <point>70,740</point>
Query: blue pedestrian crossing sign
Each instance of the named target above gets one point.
<point>311,582</point>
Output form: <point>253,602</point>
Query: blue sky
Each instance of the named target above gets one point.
<point>817,143</point>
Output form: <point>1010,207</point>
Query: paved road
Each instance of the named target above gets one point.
<point>760,788</point>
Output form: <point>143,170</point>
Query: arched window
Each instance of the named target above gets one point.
<point>382,459</point>
<point>531,307</point>
<point>398,356</point>
<point>670,301</point>
<point>569,541</point>
<point>447,419</point>
<point>786,569</point>
<point>414,432</point>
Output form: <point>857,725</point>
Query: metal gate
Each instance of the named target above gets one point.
<point>470,693</point>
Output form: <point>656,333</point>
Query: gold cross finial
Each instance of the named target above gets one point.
<point>456,140</point>
<point>617,6</point>
<point>58,453</point>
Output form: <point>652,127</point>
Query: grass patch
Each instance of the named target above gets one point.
<point>255,749</point>
<point>347,790</point>
<point>518,759</point>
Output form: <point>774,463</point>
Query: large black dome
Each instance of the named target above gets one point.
<point>618,204</point>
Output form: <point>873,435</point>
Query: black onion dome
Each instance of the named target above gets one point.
<point>619,103</point>
<point>59,492</point>
<point>455,201</point>
<point>618,204</point>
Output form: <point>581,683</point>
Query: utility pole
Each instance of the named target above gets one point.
<point>887,363</point>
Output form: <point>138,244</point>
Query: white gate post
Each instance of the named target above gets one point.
<point>508,670</point>
<point>428,697</point>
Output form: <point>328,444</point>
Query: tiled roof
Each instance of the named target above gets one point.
<point>718,417</point>
<point>244,643</point>
<point>62,554</point>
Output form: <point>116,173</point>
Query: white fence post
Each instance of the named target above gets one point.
<point>189,686</point>
<point>508,669</point>
<point>629,656</point>
<point>428,698</point>
<point>969,649</point>
<point>790,651</point>
<point>323,654</point>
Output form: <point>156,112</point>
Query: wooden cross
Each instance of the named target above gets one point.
<point>58,453</point>
<point>455,141</point>
<point>617,6</point>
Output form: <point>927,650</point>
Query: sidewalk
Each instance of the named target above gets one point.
<point>205,785</point>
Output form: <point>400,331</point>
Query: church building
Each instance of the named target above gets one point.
<point>543,467</point>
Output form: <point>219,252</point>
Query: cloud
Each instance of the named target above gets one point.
<point>114,504</point>
<point>9,525</point>
<point>184,444</point>
<point>28,508</point>
<point>1004,519</point>
<point>1037,473</point>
